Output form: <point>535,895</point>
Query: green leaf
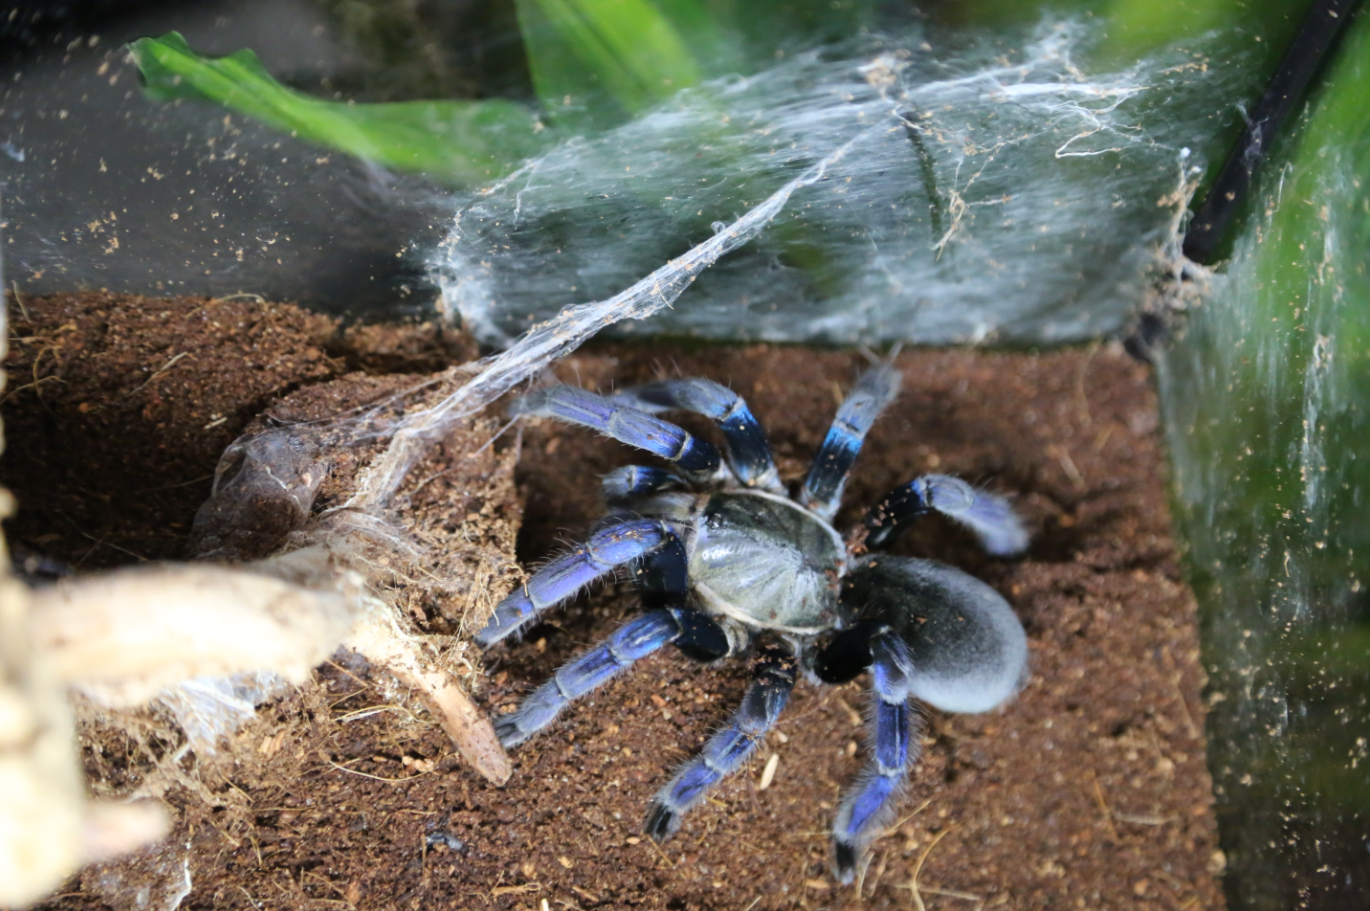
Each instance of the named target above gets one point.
<point>453,141</point>
<point>584,52</point>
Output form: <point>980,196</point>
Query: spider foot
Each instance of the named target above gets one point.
<point>844,859</point>
<point>508,732</point>
<point>662,822</point>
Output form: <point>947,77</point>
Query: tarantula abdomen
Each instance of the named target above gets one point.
<point>968,652</point>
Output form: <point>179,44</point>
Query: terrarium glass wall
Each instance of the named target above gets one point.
<point>1264,397</point>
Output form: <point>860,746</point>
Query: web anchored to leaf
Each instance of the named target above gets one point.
<point>989,190</point>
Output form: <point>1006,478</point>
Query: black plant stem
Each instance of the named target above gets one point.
<point>1312,47</point>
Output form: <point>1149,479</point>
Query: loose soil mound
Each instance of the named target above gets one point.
<point>1089,790</point>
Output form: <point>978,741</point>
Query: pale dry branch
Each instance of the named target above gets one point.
<point>122,637</point>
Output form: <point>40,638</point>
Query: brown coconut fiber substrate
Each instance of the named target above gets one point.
<point>1089,790</point>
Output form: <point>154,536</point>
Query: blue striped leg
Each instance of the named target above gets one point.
<point>866,807</point>
<point>749,452</point>
<point>773,678</point>
<point>633,641</point>
<point>637,481</point>
<point>988,515</point>
<point>822,491</point>
<point>613,546</point>
<point>697,459</point>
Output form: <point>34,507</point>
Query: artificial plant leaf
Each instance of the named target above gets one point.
<point>583,53</point>
<point>453,141</point>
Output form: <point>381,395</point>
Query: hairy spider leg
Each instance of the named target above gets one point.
<point>988,515</point>
<point>865,807</point>
<point>773,676</point>
<point>612,546</point>
<point>637,481</point>
<point>697,459</point>
<point>748,451</point>
<point>822,490</point>
<point>631,642</point>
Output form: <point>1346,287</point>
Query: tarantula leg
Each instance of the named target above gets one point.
<point>631,642</point>
<point>822,491</point>
<point>606,550</point>
<point>637,481</point>
<point>988,515</point>
<point>696,458</point>
<point>865,807</point>
<point>773,678</point>
<point>748,451</point>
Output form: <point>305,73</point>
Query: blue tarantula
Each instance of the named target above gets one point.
<point>732,565</point>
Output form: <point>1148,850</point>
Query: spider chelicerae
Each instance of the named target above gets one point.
<point>731,565</point>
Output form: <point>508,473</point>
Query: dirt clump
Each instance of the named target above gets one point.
<point>1088,790</point>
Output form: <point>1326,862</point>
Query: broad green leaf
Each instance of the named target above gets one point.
<point>1261,29</point>
<point>453,141</point>
<point>628,52</point>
